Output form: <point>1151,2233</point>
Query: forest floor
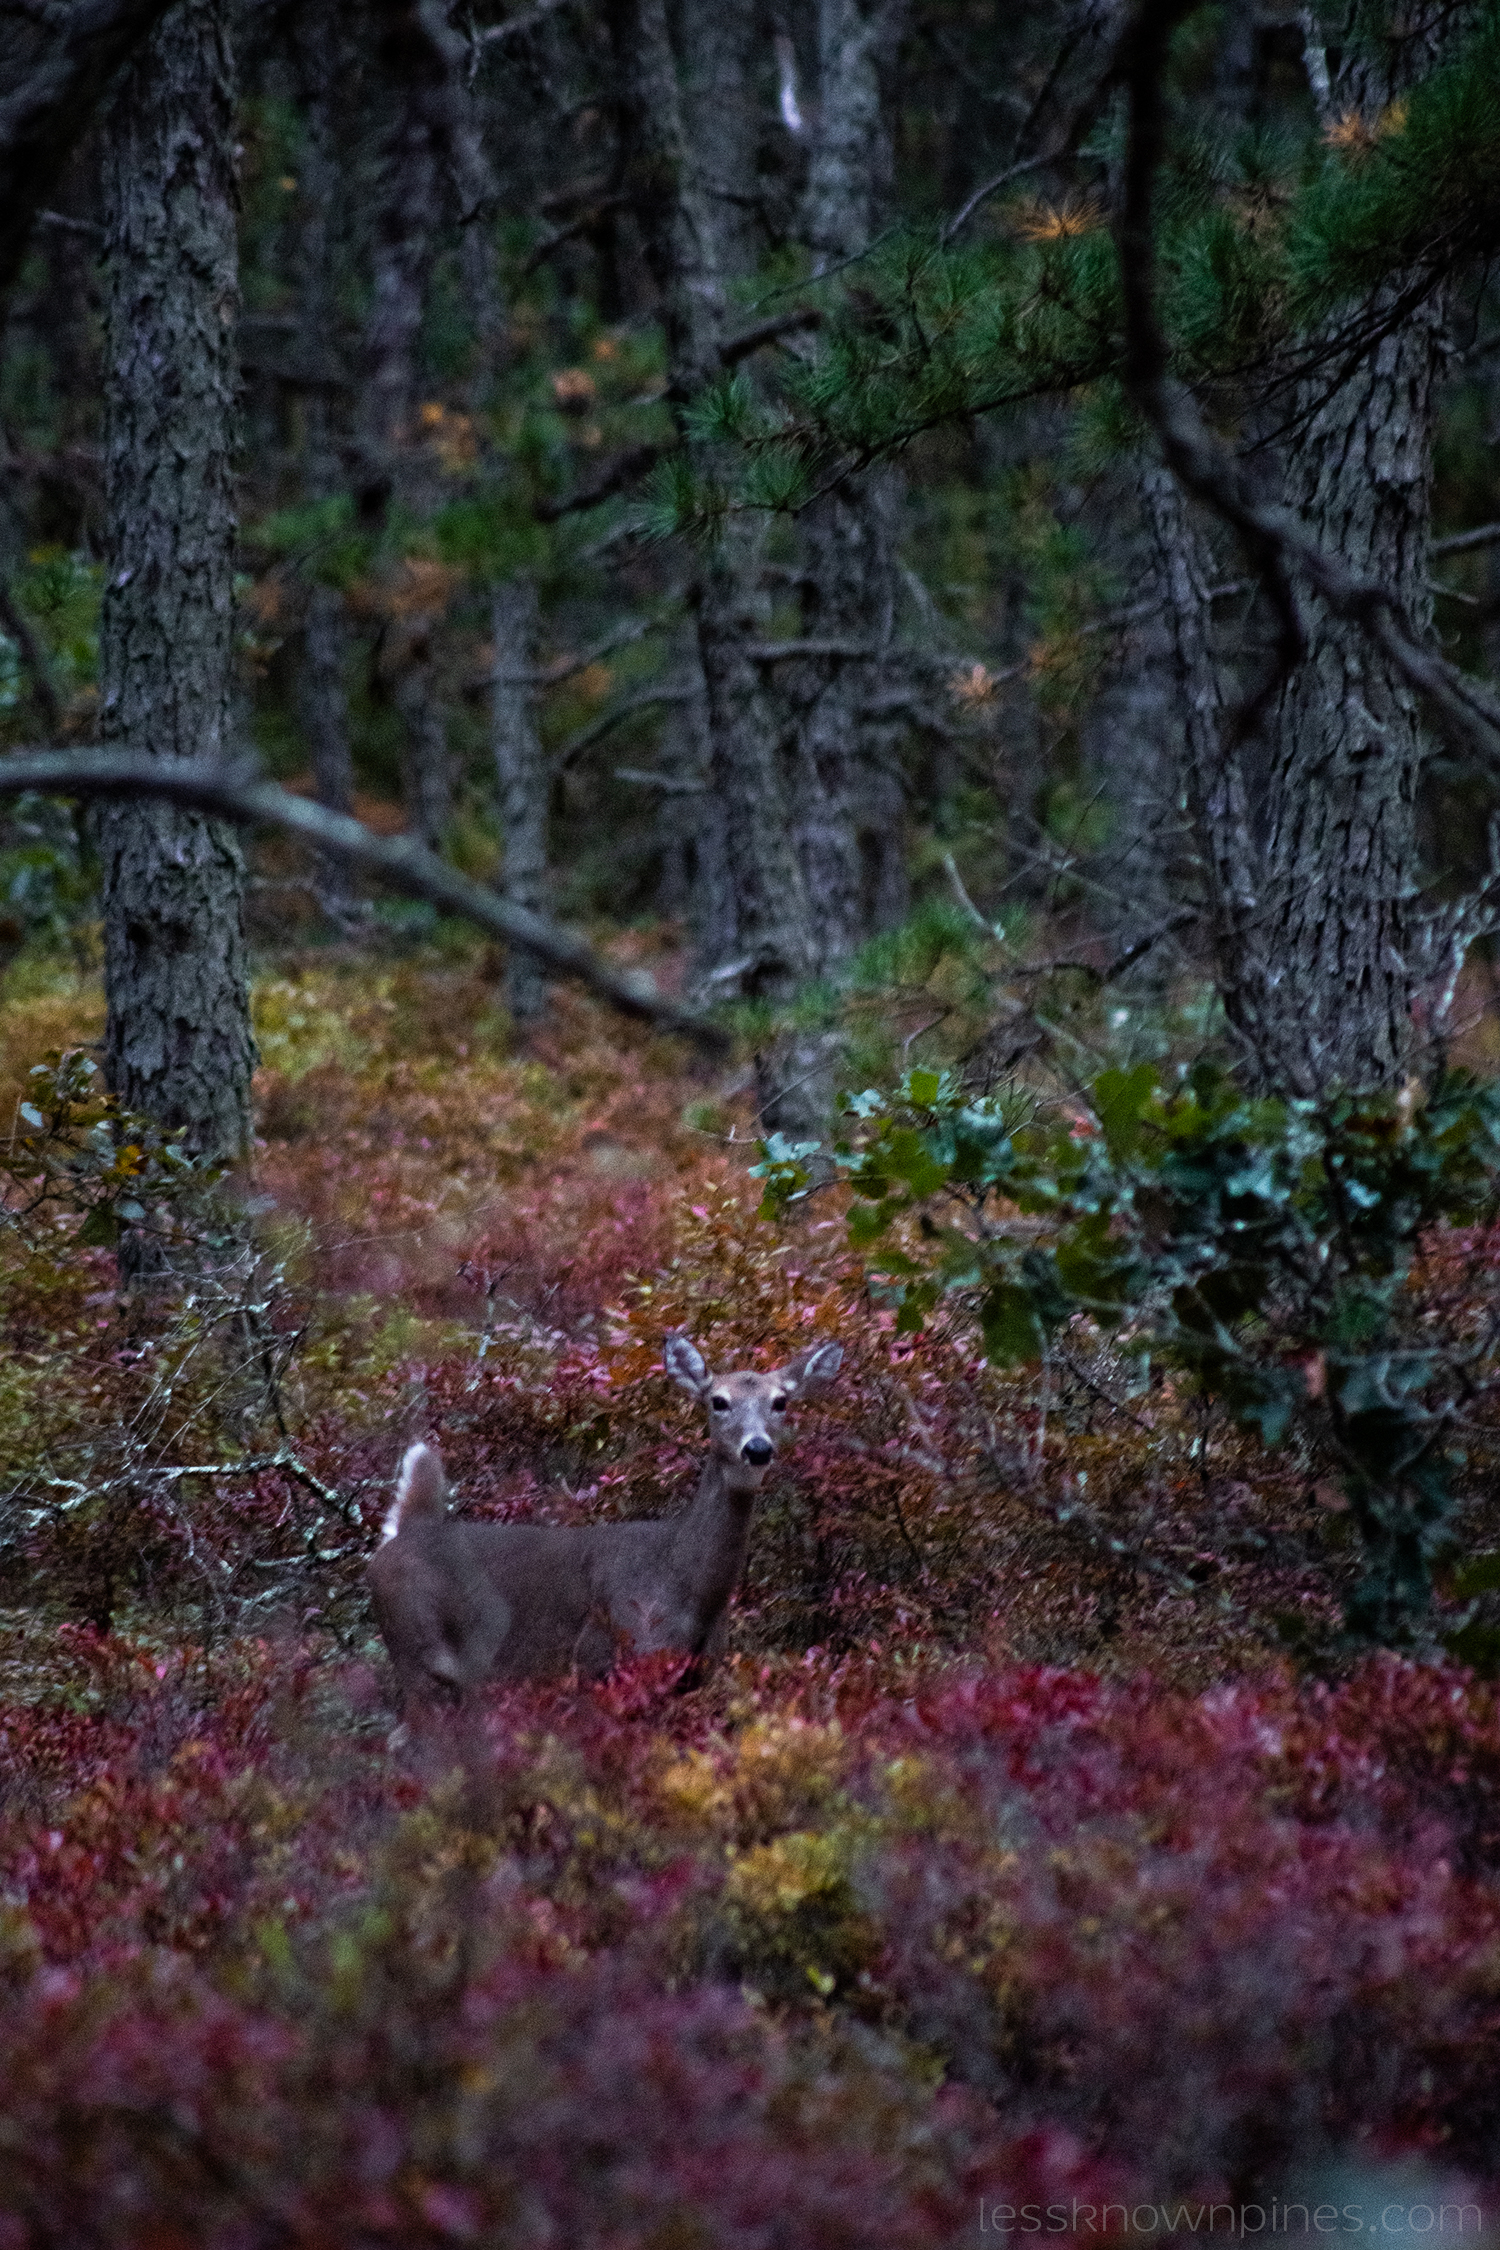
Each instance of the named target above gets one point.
<point>1020,1854</point>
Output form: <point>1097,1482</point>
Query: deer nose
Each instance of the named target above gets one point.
<point>757,1451</point>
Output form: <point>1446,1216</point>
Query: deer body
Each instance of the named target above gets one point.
<point>459,1603</point>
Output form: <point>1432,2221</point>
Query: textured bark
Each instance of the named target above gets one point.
<point>523,779</point>
<point>849,811</point>
<point>179,1045</point>
<point>321,58</point>
<point>324,698</point>
<point>849,183</point>
<point>411,56</point>
<point>426,762</point>
<point>850,816</point>
<point>695,878</point>
<point>774,944</point>
<point>1337,955</point>
<point>1344,936</point>
<point>1213,769</point>
<point>774,940</point>
<point>721,53</point>
<point>427,150</point>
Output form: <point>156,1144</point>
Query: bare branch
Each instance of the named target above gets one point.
<point>239,795</point>
<point>517,26</point>
<point>623,470</point>
<point>1065,143</point>
<point>1464,542</point>
<point>644,700</point>
<point>735,348</point>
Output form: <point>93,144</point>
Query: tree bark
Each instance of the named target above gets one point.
<point>1326,951</point>
<point>179,1045</point>
<point>849,813</point>
<point>1345,938</point>
<point>398,860</point>
<point>695,878</point>
<point>321,55</point>
<point>523,779</point>
<point>425,151</point>
<point>774,945</point>
<point>1214,780</point>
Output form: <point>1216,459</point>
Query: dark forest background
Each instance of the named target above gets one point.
<point>788,674</point>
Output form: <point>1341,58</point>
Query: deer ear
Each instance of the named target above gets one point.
<point>686,1365</point>
<point>814,1369</point>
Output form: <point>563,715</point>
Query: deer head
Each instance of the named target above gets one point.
<point>746,1412</point>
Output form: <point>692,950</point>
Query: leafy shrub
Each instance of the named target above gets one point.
<point>1264,1246</point>
<point>788,1958</point>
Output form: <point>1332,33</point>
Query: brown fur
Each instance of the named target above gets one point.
<point>459,1603</point>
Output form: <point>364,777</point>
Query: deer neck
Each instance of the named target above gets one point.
<point>713,1532</point>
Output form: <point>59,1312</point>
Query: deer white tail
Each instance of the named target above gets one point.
<point>421,1491</point>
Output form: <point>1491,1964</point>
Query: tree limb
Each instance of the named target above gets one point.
<point>1075,123</point>
<point>623,470</point>
<point>239,794</point>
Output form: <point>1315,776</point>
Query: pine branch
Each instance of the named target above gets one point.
<point>239,794</point>
<point>1278,542</point>
<point>644,700</point>
<point>735,348</point>
<point>1061,148</point>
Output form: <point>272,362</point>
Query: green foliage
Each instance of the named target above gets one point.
<point>1419,186</point>
<point>44,885</point>
<point>322,537</point>
<point>73,1148</point>
<point>1256,243</point>
<point>681,503</point>
<point>491,534</point>
<point>1263,1246</point>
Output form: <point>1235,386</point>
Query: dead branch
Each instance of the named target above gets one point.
<point>239,794</point>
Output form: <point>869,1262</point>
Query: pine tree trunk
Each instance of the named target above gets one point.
<point>849,818</point>
<point>324,698</point>
<point>695,855</point>
<point>773,919</point>
<point>1323,946</point>
<point>179,1045</point>
<point>320,53</point>
<point>418,57</point>
<point>523,779</point>
<point>1343,936</point>
<point>1214,781</point>
<point>680,217</point>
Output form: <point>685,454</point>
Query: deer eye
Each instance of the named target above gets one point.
<point>719,1405</point>
<point>778,1405</point>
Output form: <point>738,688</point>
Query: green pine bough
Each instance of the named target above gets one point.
<point>1267,1247</point>
<point>1257,245</point>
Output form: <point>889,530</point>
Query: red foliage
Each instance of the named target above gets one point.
<point>276,1986</point>
<point>875,1928</point>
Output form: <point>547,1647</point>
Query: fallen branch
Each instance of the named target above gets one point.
<point>239,794</point>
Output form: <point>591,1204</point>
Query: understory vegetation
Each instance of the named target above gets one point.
<point>1045,1841</point>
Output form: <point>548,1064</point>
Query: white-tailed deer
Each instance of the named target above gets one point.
<point>463,1602</point>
